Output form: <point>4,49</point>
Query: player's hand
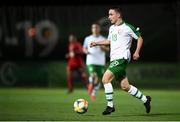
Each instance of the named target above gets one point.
<point>85,51</point>
<point>92,44</point>
<point>71,54</point>
<point>136,56</point>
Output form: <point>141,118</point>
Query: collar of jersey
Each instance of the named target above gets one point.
<point>95,36</point>
<point>120,23</point>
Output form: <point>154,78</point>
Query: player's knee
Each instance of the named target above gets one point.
<point>105,80</point>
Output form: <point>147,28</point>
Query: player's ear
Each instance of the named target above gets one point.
<point>119,15</point>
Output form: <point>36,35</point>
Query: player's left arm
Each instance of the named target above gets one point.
<point>138,48</point>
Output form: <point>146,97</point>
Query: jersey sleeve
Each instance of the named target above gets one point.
<point>109,35</point>
<point>85,44</point>
<point>134,32</point>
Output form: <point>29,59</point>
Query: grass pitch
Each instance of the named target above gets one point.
<point>55,104</point>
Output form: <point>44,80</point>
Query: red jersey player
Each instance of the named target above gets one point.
<point>75,62</point>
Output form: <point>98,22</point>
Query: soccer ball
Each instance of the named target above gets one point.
<point>81,106</point>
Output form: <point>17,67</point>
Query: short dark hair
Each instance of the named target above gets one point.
<point>96,23</point>
<point>117,9</point>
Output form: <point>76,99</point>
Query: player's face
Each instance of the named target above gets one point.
<point>113,16</point>
<point>72,38</point>
<point>95,29</point>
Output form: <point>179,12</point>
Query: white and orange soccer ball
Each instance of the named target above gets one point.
<point>81,106</point>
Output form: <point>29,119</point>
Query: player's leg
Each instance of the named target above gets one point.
<point>69,70</point>
<point>83,76</point>
<point>107,78</point>
<point>91,82</point>
<point>124,83</point>
<point>96,85</point>
<point>113,71</point>
<point>98,73</point>
<point>82,72</point>
<point>91,78</point>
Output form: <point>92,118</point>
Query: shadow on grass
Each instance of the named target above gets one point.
<point>150,115</point>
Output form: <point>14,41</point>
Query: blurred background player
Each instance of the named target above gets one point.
<point>75,62</point>
<point>95,59</point>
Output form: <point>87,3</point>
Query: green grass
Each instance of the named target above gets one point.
<point>56,104</point>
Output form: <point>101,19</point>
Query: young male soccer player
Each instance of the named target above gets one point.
<point>95,60</point>
<point>75,62</point>
<point>120,39</point>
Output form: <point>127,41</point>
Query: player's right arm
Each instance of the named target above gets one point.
<point>85,46</point>
<point>100,43</point>
<point>85,50</point>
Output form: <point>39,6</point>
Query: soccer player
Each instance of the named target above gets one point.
<point>95,60</point>
<point>120,39</point>
<point>75,62</point>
